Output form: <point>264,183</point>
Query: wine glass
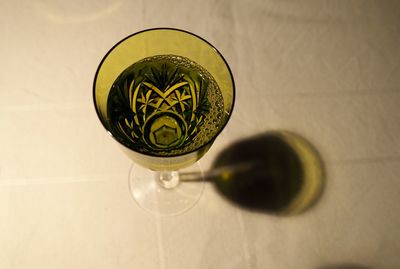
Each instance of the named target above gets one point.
<point>164,95</point>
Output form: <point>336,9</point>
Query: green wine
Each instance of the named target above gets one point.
<point>165,105</point>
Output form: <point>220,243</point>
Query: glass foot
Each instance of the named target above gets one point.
<point>163,193</point>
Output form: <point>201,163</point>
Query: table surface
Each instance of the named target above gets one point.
<point>327,71</point>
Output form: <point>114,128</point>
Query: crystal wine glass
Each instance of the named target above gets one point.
<point>164,95</point>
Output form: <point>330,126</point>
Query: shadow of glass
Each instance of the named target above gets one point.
<point>276,172</point>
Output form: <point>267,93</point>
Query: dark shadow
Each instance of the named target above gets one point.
<point>276,172</point>
<point>345,266</point>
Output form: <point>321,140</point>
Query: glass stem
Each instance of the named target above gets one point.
<point>168,179</point>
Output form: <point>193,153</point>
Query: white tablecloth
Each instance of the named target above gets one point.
<point>326,70</point>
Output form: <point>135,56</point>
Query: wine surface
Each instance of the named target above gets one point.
<point>165,105</point>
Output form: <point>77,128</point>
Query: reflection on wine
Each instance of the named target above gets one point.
<point>165,105</point>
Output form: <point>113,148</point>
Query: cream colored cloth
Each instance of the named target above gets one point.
<point>326,70</point>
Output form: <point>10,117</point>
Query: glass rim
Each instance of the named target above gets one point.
<point>211,140</point>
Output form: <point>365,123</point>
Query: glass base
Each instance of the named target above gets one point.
<point>163,193</point>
